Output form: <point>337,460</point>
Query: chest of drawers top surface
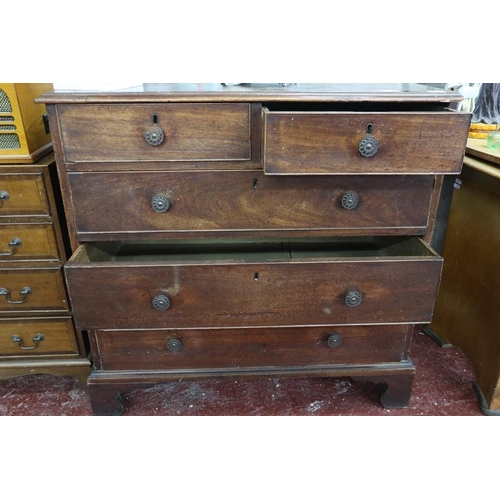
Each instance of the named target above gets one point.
<point>300,92</point>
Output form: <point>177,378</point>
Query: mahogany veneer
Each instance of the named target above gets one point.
<point>244,231</point>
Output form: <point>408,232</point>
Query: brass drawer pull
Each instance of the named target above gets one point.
<point>4,196</point>
<point>350,200</point>
<point>368,146</point>
<point>154,136</point>
<point>161,302</point>
<point>334,339</point>
<point>174,345</point>
<point>24,294</point>
<point>353,298</point>
<point>16,242</point>
<point>37,338</point>
<point>160,203</point>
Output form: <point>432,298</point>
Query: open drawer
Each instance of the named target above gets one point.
<point>363,141</point>
<point>361,280</point>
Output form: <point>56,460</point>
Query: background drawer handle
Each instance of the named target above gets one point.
<point>174,345</point>
<point>368,146</point>
<point>334,339</point>
<point>24,294</point>
<point>16,242</point>
<point>37,338</point>
<point>154,136</point>
<point>161,302</point>
<point>353,298</point>
<point>350,200</point>
<point>160,203</point>
<point>4,196</point>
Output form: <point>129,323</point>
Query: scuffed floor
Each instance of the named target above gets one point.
<point>442,386</point>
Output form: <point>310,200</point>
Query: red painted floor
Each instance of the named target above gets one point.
<point>443,386</point>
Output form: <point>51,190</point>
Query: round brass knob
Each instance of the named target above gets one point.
<point>174,344</point>
<point>154,136</point>
<point>334,339</point>
<point>160,203</point>
<point>350,200</point>
<point>353,298</point>
<point>161,302</point>
<point>368,146</point>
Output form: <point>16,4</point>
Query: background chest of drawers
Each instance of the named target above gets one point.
<point>243,231</point>
<point>37,334</point>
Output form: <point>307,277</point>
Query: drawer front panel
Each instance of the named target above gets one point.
<point>252,294</point>
<point>191,132</point>
<point>21,242</point>
<point>58,337</point>
<point>24,290</point>
<point>329,143</point>
<point>238,201</point>
<point>250,347</point>
<point>23,194</point>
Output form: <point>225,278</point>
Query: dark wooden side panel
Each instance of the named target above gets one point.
<point>467,307</point>
<point>229,295</point>
<point>247,347</point>
<point>327,143</point>
<point>192,131</point>
<point>234,201</point>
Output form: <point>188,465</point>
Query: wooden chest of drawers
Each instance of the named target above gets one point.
<point>237,231</point>
<point>37,334</point>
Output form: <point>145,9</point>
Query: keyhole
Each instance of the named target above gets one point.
<point>256,277</point>
<point>369,128</point>
<point>255,183</point>
<point>155,119</point>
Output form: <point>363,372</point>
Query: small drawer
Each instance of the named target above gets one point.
<point>344,281</point>
<point>154,204</point>
<point>35,336</point>
<point>28,242</point>
<point>23,194</point>
<point>347,142</point>
<point>249,347</point>
<point>155,132</point>
<point>32,290</point>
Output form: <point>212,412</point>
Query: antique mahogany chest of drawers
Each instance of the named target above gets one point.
<point>253,230</point>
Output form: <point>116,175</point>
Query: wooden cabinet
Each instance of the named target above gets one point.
<point>467,313</point>
<point>37,334</point>
<point>229,231</point>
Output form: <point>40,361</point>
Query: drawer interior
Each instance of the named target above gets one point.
<point>353,107</point>
<point>253,251</point>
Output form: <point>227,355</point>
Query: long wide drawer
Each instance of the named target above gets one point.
<point>189,131</point>
<point>28,242</point>
<point>36,336</point>
<point>34,289</point>
<point>336,142</point>
<point>248,347</point>
<point>145,203</point>
<point>386,280</point>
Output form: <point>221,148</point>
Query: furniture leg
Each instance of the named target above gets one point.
<point>395,388</point>
<point>106,400</point>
